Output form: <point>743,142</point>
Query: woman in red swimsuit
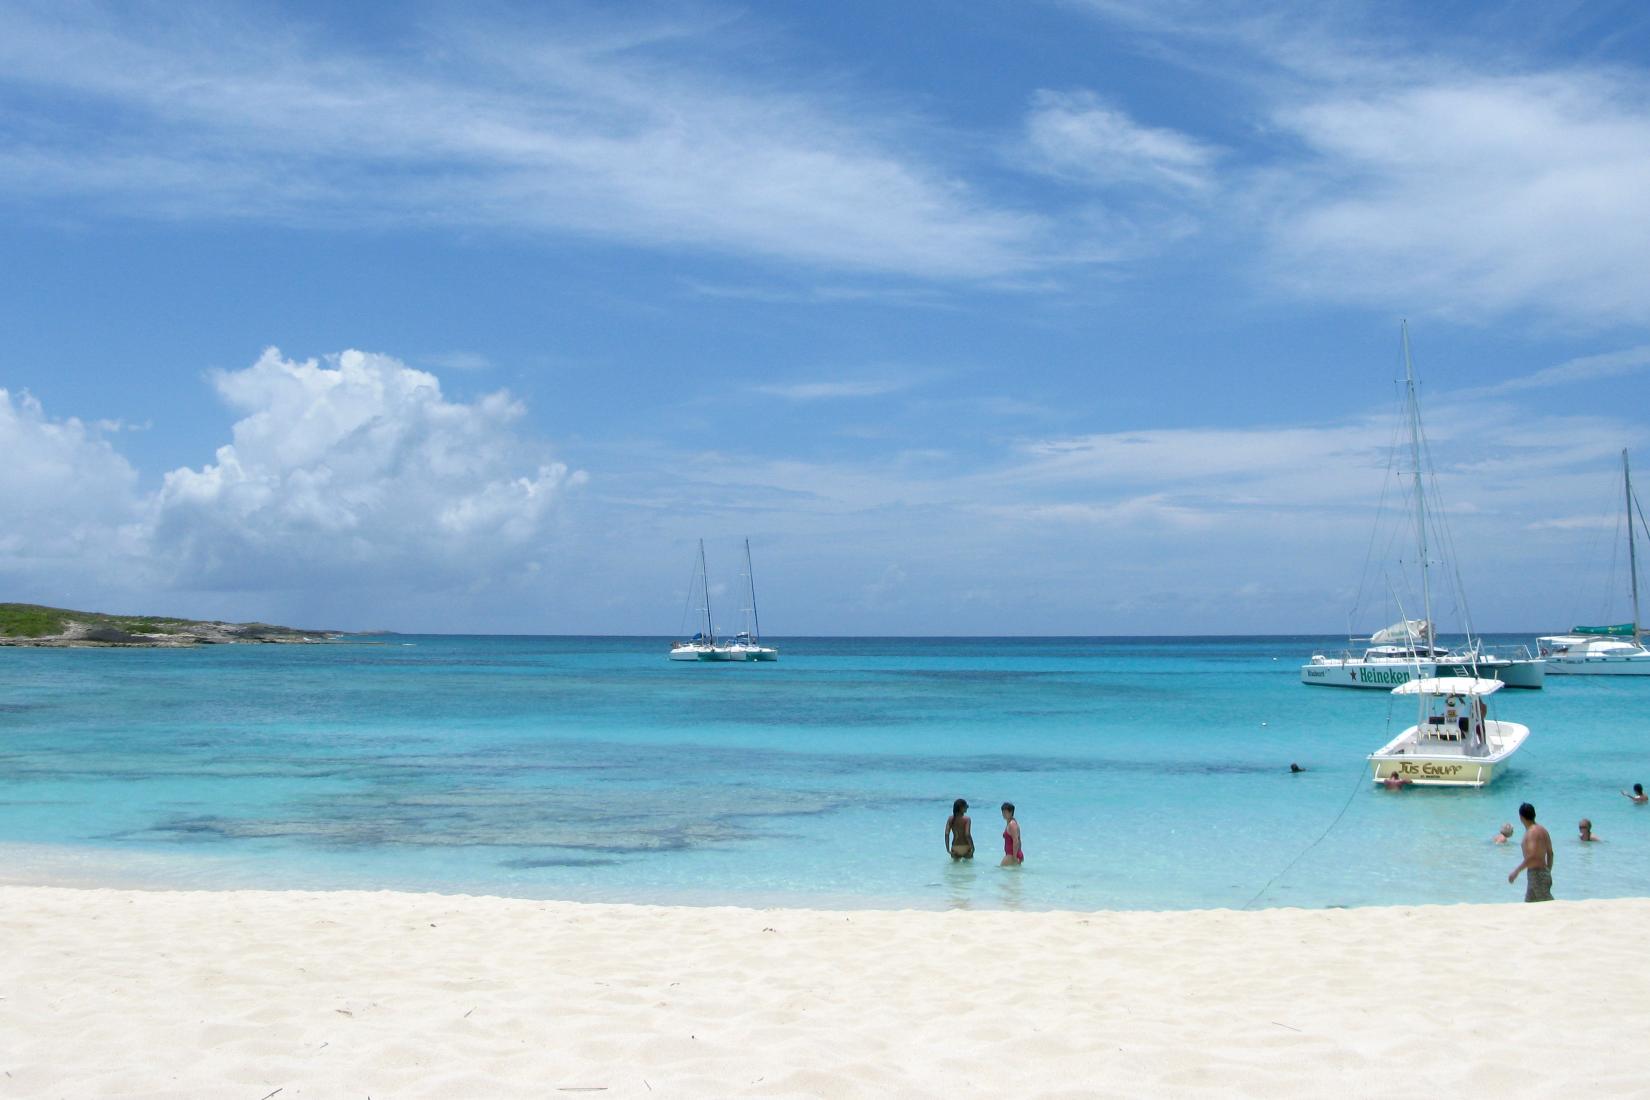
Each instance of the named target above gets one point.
<point>1013,854</point>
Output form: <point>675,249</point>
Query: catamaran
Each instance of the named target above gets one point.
<point>1407,650</point>
<point>1454,742</point>
<point>702,646</point>
<point>749,641</point>
<point>1606,650</point>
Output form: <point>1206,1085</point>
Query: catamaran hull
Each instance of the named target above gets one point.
<point>1599,666</point>
<point>1385,676</point>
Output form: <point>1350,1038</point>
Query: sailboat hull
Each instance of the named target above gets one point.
<point>1635,665</point>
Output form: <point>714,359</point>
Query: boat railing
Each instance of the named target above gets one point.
<point>1511,651</point>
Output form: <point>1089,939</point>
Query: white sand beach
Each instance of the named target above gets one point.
<point>261,994</point>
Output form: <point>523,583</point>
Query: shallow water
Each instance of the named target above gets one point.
<point>1149,773</point>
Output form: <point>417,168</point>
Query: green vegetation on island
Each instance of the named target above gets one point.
<point>32,624</point>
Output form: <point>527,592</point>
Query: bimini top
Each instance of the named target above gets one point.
<point>1450,685</point>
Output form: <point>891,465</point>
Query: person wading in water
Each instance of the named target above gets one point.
<point>959,831</point>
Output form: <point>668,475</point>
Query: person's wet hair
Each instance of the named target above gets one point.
<point>1527,812</point>
<point>1638,788</point>
<point>959,807</point>
<point>1009,806</point>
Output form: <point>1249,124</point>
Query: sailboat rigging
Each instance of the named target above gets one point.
<point>1408,649</point>
<point>1617,650</point>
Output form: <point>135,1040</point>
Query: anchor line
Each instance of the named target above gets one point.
<point>1331,828</point>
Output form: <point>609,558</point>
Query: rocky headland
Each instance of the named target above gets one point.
<point>23,624</point>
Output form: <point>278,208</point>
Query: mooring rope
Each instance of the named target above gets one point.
<point>1362,779</point>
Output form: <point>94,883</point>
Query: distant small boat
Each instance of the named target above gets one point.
<point>1606,650</point>
<point>1454,742</point>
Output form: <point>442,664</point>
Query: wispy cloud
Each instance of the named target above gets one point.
<point>1476,196</point>
<point>459,361</point>
<point>831,391</point>
<point>1414,167</point>
<point>1076,135</point>
<point>899,296</point>
<point>535,130</point>
<point>1586,368</point>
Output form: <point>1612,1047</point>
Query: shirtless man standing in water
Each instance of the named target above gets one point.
<point>1538,858</point>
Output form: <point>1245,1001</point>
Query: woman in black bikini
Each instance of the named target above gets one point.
<point>959,831</point>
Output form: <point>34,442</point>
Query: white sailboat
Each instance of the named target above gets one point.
<point>1407,650</point>
<point>749,641</point>
<point>702,646</point>
<point>1606,650</point>
<point>1454,742</point>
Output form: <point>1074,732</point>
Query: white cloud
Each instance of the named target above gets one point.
<point>459,361</point>
<point>524,130</point>
<point>1413,161</point>
<point>69,501</point>
<point>1478,196</point>
<point>1077,135</point>
<point>1586,368</point>
<point>822,391</point>
<point>361,470</point>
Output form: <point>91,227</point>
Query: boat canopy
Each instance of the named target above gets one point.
<point>1450,685</point>
<point>1404,630</point>
<point>1620,630</point>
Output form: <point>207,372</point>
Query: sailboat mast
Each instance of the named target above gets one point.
<point>1632,549</point>
<point>750,576</point>
<point>1420,494</point>
<point>704,577</point>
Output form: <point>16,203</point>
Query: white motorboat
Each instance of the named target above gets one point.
<point>1454,742</point>
<point>1407,650</point>
<point>1606,650</point>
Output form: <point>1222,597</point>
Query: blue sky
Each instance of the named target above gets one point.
<point>1067,317</point>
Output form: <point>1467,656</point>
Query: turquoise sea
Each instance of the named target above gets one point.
<point>1148,773</point>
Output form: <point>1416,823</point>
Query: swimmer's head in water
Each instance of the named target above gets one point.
<point>1638,788</point>
<point>1586,826</point>
<point>1506,829</point>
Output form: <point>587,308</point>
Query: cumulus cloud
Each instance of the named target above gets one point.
<point>342,478</point>
<point>357,468</point>
<point>1077,135</point>
<point>68,496</point>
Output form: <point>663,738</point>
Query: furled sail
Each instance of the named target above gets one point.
<point>1404,632</point>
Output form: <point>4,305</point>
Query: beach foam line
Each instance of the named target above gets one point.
<point>349,994</point>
